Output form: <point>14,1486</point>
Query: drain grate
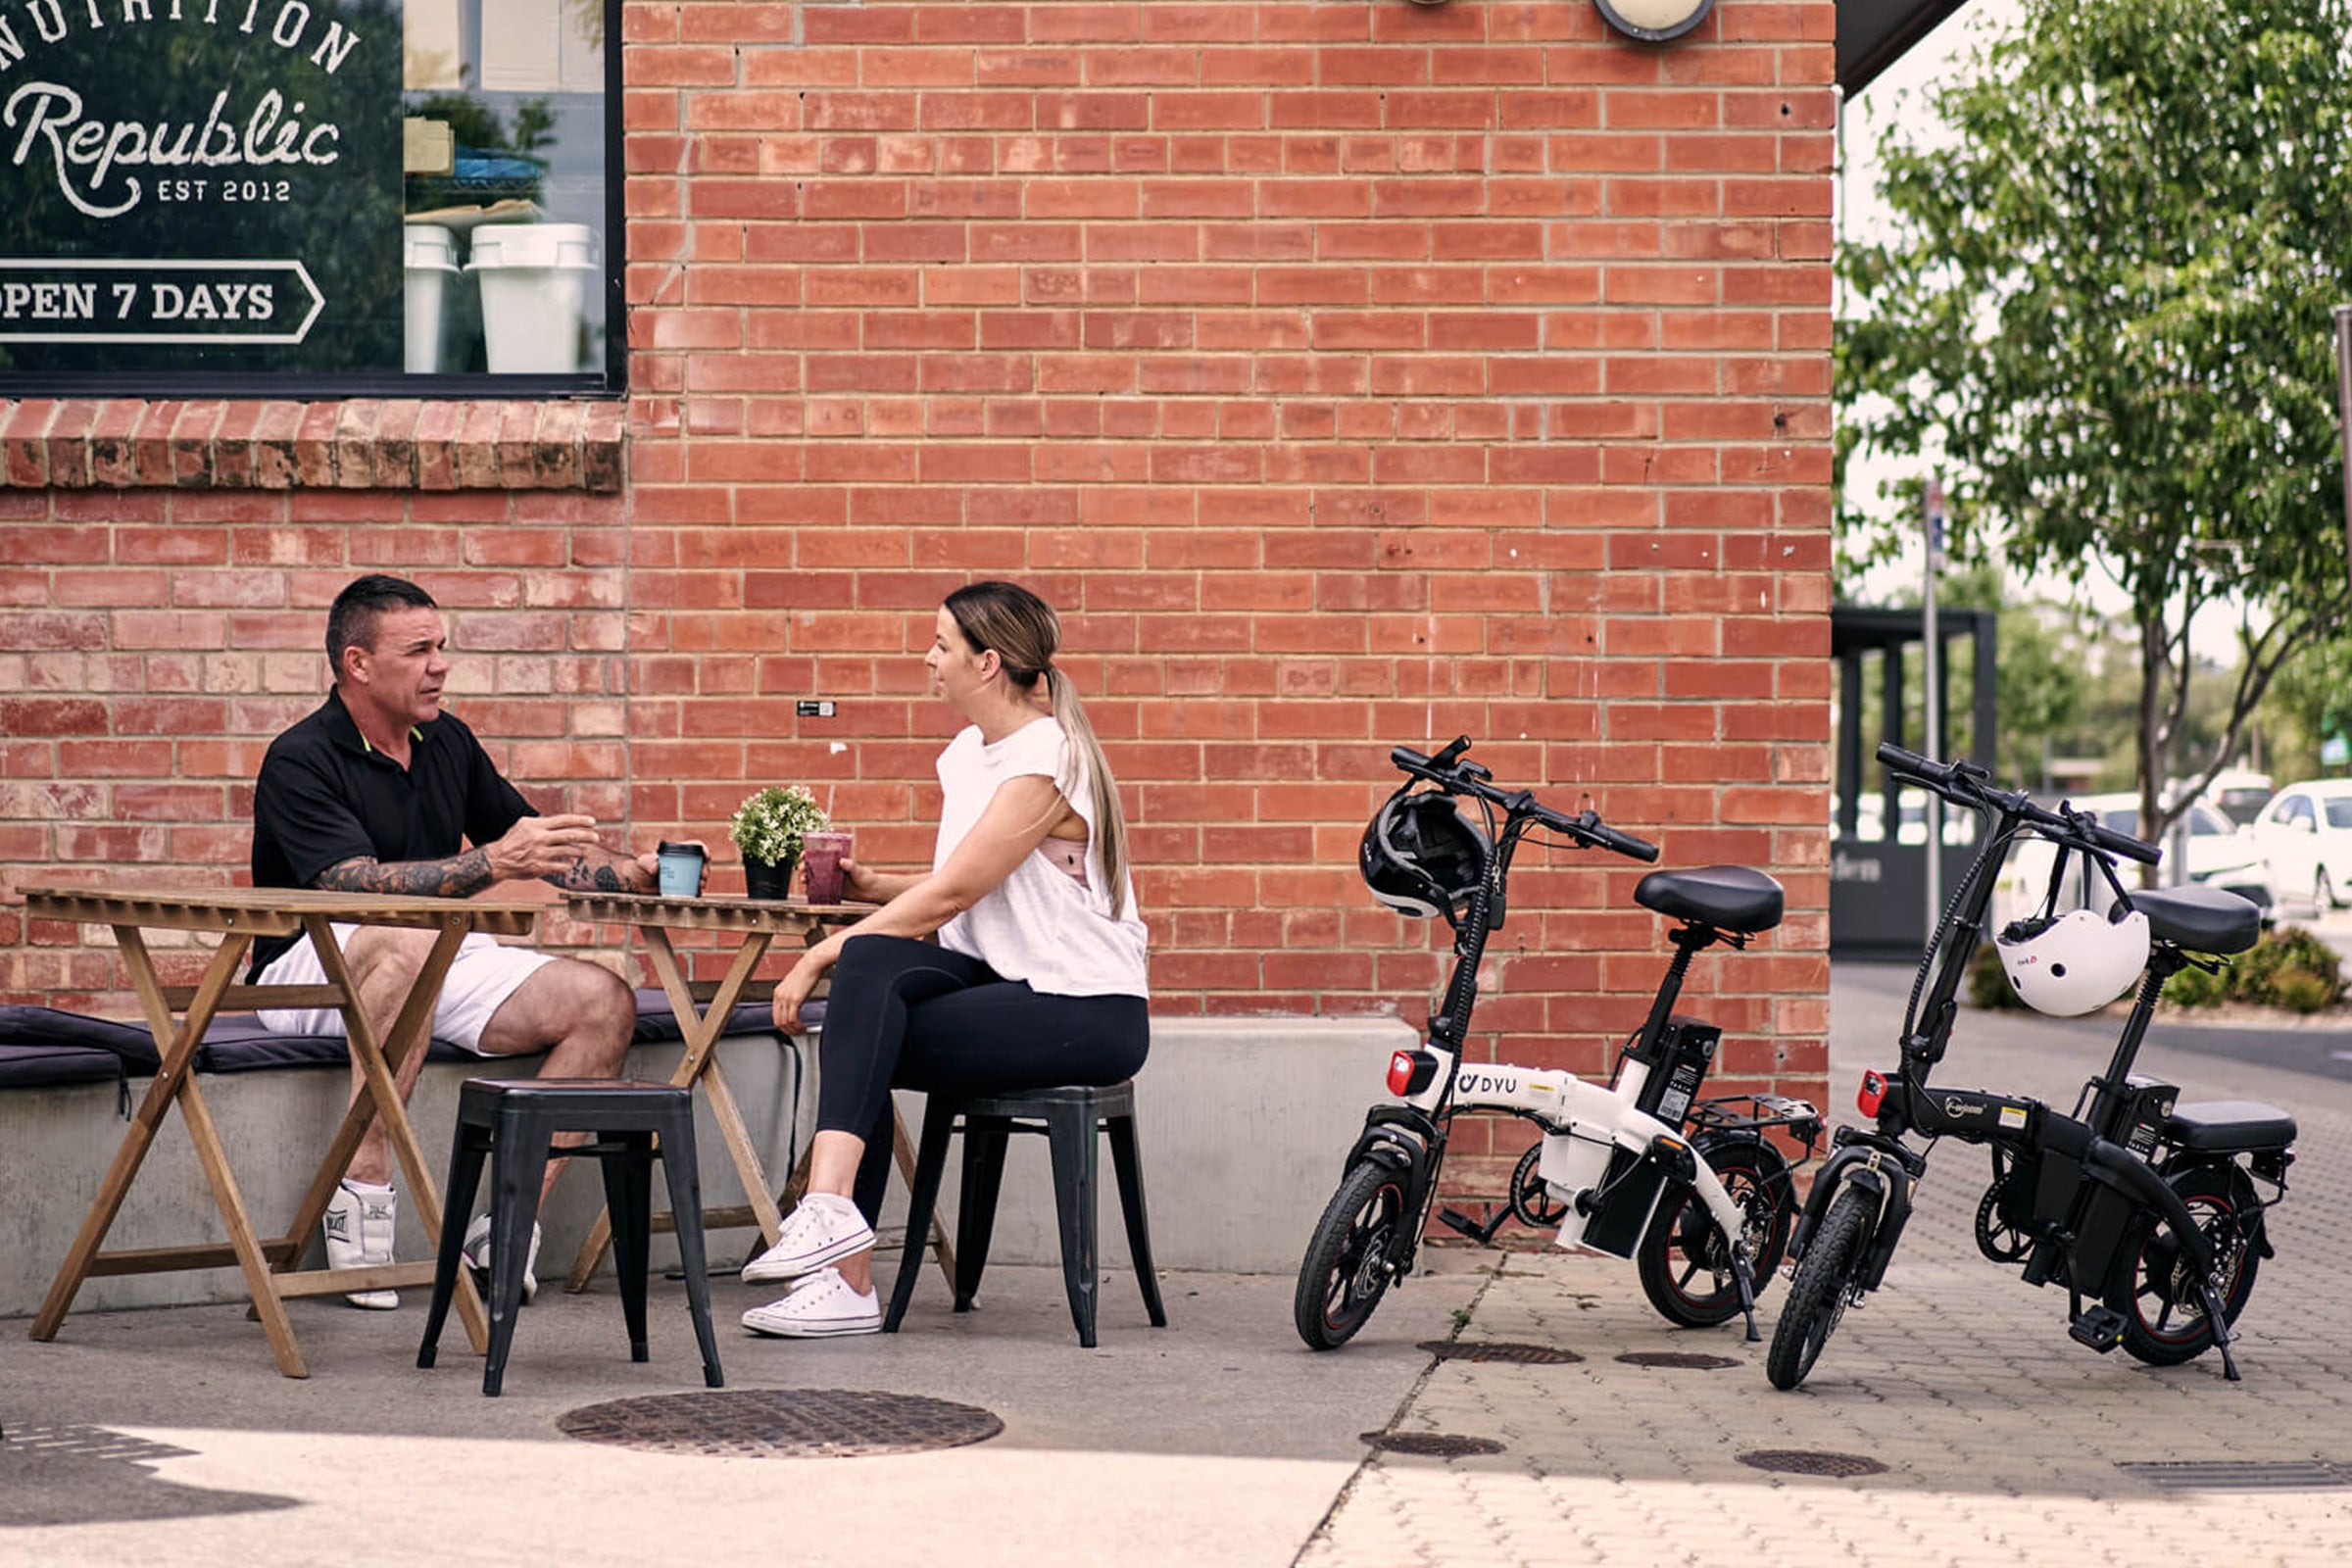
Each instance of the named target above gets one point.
<point>782,1423</point>
<point>90,1443</point>
<point>1811,1462</point>
<point>2231,1475</point>
<point>1428,1444</point>
<point>1679,1361</point>
<point>1499,1350</point>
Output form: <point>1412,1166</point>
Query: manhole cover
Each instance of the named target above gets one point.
<point>1431,1444</point>
<point>1499,1350</point>
<point>2224,1475</point>
<point>1684,1360</point>
<point>782,1423</point>
<point>1811,1462</point>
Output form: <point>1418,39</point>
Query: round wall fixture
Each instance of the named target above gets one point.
<point>1654,20</point>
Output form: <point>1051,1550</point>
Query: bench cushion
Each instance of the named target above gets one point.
<point>658,1024</point>
<point>40,1067</point>
<point>129,1044</point>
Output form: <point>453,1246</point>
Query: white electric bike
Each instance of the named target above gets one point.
<point>1644,1169</point>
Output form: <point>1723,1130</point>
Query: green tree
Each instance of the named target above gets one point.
<point>2106,312</point>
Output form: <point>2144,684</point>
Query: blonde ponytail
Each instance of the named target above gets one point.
<point>1110,823</point>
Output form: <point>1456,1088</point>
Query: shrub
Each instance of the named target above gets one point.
<point>2194,988</point>
<point>1988,985</point>
<point>2256,975</point>
<point>767,827</point>
<point>2302,990</point>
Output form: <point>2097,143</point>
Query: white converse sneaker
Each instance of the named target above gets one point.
<point>824,1229</point>
<point>476,1251</point>
<point>358,1226</point>
<point>820,1306</point>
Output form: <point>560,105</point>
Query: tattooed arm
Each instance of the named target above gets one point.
<point>597,870</point>
<point>460,876</point>
<point>562,849</point>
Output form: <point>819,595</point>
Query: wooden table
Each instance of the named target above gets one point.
<point>240,914</point>
<point>756,923</point>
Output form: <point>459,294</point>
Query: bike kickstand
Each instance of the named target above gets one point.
<point>2221,1331</point>
<point>1744,1278</point>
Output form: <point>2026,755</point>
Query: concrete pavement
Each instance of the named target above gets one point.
<point>162,1434</point>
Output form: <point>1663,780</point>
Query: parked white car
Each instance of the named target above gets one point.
<point>2306,833</point>
<point>2220,856</point>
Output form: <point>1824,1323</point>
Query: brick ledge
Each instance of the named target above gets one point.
<point>353,444</point>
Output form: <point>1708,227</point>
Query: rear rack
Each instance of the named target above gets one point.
<point>1754,1114</point>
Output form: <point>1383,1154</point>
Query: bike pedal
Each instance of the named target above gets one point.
<point>1456,1219</point>
<point>2099,1327</point>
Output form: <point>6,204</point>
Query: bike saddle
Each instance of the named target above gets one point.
<point>2225,1126</point>
<point>1729,898</point>
<point>2200,920</point>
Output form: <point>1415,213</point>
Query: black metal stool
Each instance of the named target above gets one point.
<point>1068,1118</point>
<point>514,1121</point>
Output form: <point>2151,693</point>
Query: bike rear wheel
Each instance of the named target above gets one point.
<point>1685,1259</point>
<point>2164,1315</point>
<point>1345,1271</point>
<point>1818,1294</point>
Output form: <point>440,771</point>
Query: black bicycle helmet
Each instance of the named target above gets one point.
<point>1420,857</point>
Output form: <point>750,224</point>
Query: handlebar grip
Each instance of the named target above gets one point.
<point>1895,757</point>
<point>1625,844</point>
<point>2125,845</point>
<point>1407,758</point>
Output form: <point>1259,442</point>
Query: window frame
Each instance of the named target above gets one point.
<point>610,382</point>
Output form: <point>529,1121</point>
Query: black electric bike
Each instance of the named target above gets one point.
<point>1691,1189</point>
<point>2144,1207</point>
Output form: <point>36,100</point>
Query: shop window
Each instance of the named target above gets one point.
<point>310,198</point>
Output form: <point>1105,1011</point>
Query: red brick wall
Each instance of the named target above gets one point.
<point>1349,374</point>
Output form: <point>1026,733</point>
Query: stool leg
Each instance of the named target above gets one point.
<point>1070,1132</point>
<point>930,1164</point>
<point>628,1195</point>
<point>1128,1163</point>
<point>517,1160</point>
<point>465,1176</point>
<point>686,1212</point>
<point>984,1140</point>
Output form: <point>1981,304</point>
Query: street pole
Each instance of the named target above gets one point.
<point>1934,678</point>
<point>2343,408</point>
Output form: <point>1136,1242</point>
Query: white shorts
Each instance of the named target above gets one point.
<point>480,978</point>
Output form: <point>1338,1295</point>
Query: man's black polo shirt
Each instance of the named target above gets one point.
<point>325,795</point>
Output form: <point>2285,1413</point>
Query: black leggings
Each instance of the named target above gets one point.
<point>909,1015</point>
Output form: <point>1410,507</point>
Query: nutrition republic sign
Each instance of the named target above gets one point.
<point>200,185</point>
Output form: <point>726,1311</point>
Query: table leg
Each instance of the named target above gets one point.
<point>380,1096</point>
<point>701,1028</point>
<point>174,1081</point>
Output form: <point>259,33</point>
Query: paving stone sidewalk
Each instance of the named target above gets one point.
<point>2003,1439</point>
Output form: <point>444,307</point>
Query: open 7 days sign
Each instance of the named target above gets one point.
<point>200,185</point>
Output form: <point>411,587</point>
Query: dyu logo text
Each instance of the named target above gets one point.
<point>1487,1083</point>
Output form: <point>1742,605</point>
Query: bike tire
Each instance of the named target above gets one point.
<point>1817,1296</point>
<point>1685,1246</point>
<point>2144,1284</point>
<point>1344,1272</point>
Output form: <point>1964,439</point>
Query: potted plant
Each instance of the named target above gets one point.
<point>766,828</point>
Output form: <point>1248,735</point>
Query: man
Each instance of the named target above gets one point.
<point>379,791</point>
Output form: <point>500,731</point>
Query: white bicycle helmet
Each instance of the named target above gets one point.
<point>2075,963</point>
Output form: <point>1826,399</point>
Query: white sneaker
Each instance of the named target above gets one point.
<point>824,1229</point>
<point>820,1306</point>
<point>359,1227</point>
<point>476,1251</point>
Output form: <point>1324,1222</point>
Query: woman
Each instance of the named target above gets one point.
<point>1036,978</point>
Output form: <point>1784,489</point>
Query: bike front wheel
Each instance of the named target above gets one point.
<point>1347,1268</point>
<point>1817,1297</point>
<point>1685,1259</point>
<point>2164,1313</point>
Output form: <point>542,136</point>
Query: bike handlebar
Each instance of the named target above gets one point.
<point>1966,784</point>
<point>1456,778</point>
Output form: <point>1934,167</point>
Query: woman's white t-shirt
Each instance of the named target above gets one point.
<point>1039,924</point>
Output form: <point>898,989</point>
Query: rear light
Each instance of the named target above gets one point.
<point>1410,1072</point>
<point>1871,1091</point>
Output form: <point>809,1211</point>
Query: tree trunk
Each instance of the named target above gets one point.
<point>2153,639</point>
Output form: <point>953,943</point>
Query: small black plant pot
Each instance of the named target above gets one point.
<point>762,880</point>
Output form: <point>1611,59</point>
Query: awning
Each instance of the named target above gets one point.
<point>1873,35</point>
